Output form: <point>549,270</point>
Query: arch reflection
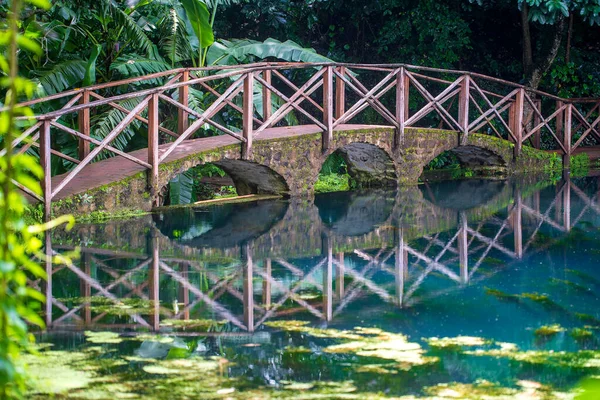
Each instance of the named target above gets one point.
<point>397,262</point>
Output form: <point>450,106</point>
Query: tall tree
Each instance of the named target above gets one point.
<point>539,52</point>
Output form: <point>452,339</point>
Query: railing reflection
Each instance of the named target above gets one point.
<point>395,274</point>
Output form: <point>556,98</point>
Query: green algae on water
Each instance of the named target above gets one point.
<point>549,330</point>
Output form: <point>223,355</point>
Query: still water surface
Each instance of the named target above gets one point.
<point>465,289</point>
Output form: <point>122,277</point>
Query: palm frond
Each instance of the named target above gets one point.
<point>130,66</point>
<point>64,75</point>
<point>133,31</point>
<point>212,3</point>
<point>176,45</point>
<point>243,51</point>
<point>181,188</point>
<point>102,124</point>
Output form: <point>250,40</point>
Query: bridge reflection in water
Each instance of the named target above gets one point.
<point>304,260</point>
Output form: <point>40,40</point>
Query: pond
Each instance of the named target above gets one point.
<point>463,289</point>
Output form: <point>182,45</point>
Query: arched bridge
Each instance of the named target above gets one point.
<point>272,125</point>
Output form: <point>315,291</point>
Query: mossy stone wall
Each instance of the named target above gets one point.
<point>298,159</point>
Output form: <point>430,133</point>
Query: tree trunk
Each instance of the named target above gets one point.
<point>527,49</point>
<point>569,36</point>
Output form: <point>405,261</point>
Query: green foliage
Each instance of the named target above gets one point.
<point>580,164</point>
<point>446,160</point>
<point>20,244</point>
<point>187,187</point>
<point>332,183</point>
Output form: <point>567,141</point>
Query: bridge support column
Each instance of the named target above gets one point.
<point>340,94</point>
<point>45,154</point>
<point>266,287</point>
<point>248,294</point>
<point>401,266</point>
<point>248,113</point>
<point>402,89</point>
<point>154,283</point>
<point>463,110</point>
<point>537,136</point>
<point>517,224</point>
<point>517,125</point>
<point>46,285</point>
<point>463,249</point>
<point>339,276</point>
<point>567,136</point>
<point>328,280</point>
<point>85,288</point>
<point>567,205</point>
<point>153,148</point>
<point>182,115</point>
<point>266,96</point>
<point>83,124</point>
<point>327,107</point>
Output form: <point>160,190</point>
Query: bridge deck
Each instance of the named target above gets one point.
<point>115,169</point>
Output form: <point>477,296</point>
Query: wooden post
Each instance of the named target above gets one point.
<point>401,106</point>
<point>86,288</point>
<point>328,281</point>
<point>267,285</point>
<point>517,224</point>
<point>248,108</point>
<point>83,122</point>
<point>537,136</point>
<point>340,94</point>
<point>518,121</point>
<point>463,110</point>
<point>339,276</point>
<point>567,136</point>
<point>400,267</point>
<point>154,283</point>
<point>248,295</point>
<point>182,115</point>
<point>266,96</point>
<point>184,292</point>
<point>463,249</point>
<point>47,283</point>
<point>45,154</point>
<point>567,205</point>
<point>559,121</point>
<point>153,148</point>
<point>327,136</point>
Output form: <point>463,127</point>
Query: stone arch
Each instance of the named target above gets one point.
<point>474,155</point>
<point>248,177</point>
<point>369,163</point>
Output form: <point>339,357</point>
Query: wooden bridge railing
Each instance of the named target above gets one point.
<point>402,270</point>
<point>243,101</point>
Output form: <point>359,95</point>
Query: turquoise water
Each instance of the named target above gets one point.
<point>349,296</point>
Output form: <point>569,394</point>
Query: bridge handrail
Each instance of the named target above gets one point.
<point>295,65</point>
<point>515,113</point>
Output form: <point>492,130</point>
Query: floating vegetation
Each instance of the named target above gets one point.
<point>581,334</point>
<point>584,276</point>
<point>542,299</point>
<point>365,342</point>
<point>196,325</point>
<point>500,295</point>
<point>102,337</point>
<point>572,285</point>
<point>302,326</point>
<point>456,342</point>
<point>493,261</point>
<point>483,389</point>
<point>120,307</point>
<point>549,330</point>
<point>588,319</point>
